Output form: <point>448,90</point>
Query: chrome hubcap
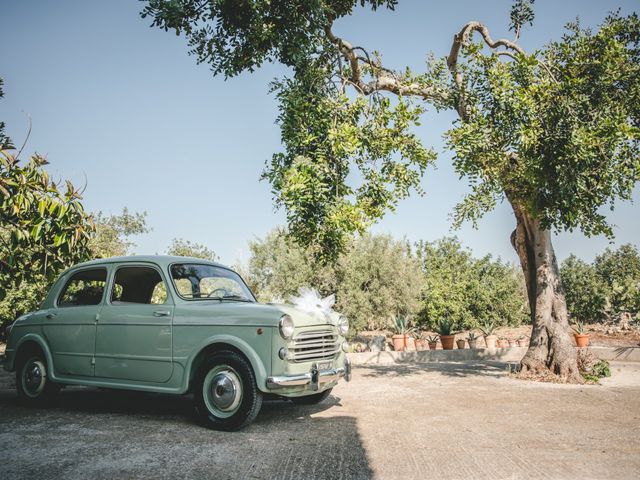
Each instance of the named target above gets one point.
<point>222,391</point>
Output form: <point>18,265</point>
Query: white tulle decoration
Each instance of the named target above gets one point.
<point>310,301</point>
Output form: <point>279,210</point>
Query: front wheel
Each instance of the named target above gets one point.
<point>32,381</point>
<point>312,399</point>
<point>226,395</point>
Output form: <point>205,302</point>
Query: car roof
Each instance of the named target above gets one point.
<point>160,260</point>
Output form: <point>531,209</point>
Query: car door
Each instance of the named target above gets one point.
<point>134,331</point>
<point>70,326</point>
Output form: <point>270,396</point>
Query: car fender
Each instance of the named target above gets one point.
<point>243,347</point>
<point>33,337</point>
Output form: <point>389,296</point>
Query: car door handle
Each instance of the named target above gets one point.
<point>51,315</point>
<point>161,313</point>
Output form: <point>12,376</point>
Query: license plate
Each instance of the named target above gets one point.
<point>324,365</point>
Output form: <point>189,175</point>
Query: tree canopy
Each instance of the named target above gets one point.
<point>113,233</point>
<point>555,132</point>
<point>186,248</point>
<point>605,288</point>
<point>43,227</point>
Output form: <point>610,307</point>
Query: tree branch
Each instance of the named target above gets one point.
<point>384,78</point>
<point>461,39</point>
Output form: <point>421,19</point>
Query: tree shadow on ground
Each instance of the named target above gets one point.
<point>622,353</point>
<point>448,369</point>
<point>100,433</point>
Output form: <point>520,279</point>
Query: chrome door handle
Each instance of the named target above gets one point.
<point>161,313</point>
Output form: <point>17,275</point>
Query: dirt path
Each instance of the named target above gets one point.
<point>433,420</point>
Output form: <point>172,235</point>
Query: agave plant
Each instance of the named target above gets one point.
<point>432,339</point>
<point>472,336</point>
<point>579,328</point>
<point>487,327</point>
<point>445,327</point>
<point>401,325</point>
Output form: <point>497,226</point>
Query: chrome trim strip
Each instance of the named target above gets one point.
<point>324,376</point>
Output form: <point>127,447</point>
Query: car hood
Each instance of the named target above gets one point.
<point>256,313</point>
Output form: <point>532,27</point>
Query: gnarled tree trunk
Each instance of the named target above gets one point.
<point>551,346</point>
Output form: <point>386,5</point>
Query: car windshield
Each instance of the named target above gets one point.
<point>196,281</point>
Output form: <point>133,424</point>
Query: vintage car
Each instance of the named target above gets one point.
<point>176,325</point>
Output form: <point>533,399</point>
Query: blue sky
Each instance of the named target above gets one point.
<point>123,106</point>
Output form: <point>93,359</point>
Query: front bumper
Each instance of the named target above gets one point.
<point>314,378</point>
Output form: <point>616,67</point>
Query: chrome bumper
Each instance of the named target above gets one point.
<point>314,377</point>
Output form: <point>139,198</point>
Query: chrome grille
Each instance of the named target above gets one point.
<point>320,344</point>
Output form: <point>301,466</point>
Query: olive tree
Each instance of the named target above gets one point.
<point>378,277</point>
<point>278,267</point>
<point>187,248</point>
<point>553,132</point>
<point>112,236</point>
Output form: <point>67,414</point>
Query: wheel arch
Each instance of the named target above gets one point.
<point>35,343</point>
<point>226,343</point>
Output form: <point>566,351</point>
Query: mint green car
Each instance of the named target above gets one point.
<point>175,325</point>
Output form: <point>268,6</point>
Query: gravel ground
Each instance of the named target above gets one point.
<point>432,420</point>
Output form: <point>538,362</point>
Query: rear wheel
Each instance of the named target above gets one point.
<point>226,395</point>
<point>312,399</point>
<point>34,386</point>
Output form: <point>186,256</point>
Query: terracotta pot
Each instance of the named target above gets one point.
<point>447,341</point>
<point>472,343</point>
<point>523,343</point>
<point>513,343</point>
<point>433,345</point>
<point>490,341</point>
<point>461,343</point>
<point>582,339</point>
<point>398,343</point>
<point>503,343</point>
<point>409,343</point>
<point>420,344</point>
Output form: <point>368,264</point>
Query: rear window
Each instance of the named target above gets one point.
<point>83,288</point>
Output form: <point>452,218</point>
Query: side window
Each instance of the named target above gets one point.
<point>138,285</point>
<point>84,288</point>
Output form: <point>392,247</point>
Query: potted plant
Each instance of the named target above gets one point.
<point>446,333</point>
<point>503,342</point>
<point>472,339</point>
<point>461,343</point>
<point>522,341</point>
<point>581,335</point>
<point>488,328</point>
<point>399,327</point>
<point>432,341</point>
<point>513,343</point>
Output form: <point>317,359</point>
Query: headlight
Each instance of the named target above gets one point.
<point>343,325</point>
<point>286,326</point>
